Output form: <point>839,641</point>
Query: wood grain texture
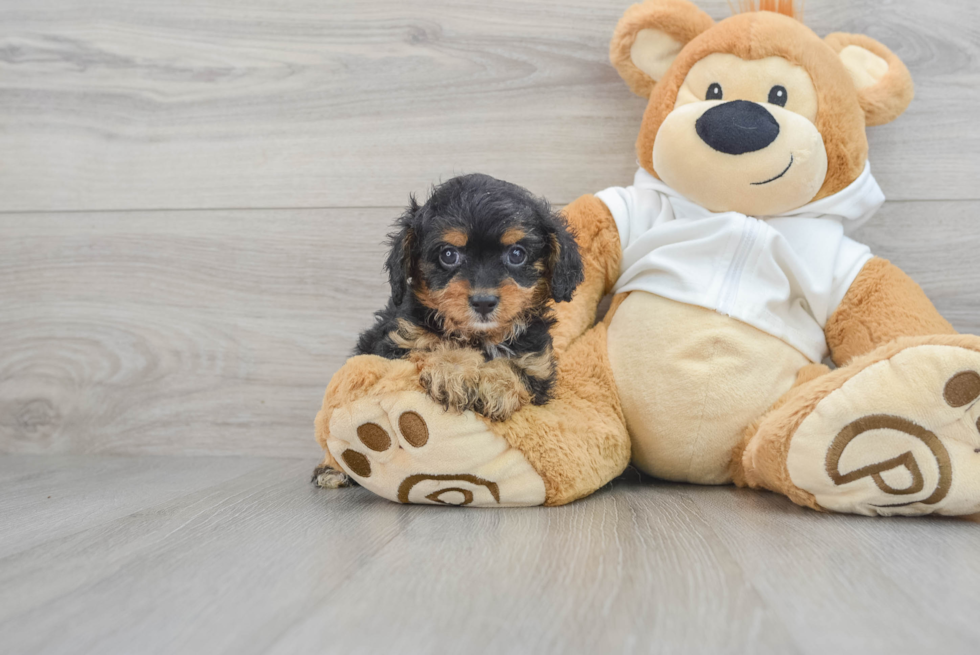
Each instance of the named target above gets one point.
<point>262,562</point>
<point>50,496</point>
<point>216,332</point>
<point>326,103</point>
<point>895,586</point>
<point>189,332</point>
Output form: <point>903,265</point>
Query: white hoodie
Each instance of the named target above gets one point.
<point>783,274</point>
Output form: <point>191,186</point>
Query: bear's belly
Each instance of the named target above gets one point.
<point>691,381</point>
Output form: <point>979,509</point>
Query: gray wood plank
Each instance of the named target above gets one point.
<point>191,574</point>
<point>266,563</point>
<point>854,584</point>
<point>309,103</point>
<point>260,561</point>
<point>633,569</point>
<point>198,333</point>
<point>50,496</point>
<point>216,332</point>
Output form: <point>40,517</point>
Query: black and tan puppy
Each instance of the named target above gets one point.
<point>474,273</point>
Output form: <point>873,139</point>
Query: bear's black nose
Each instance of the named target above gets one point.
<point>737,127</point>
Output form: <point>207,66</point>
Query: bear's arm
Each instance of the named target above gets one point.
<point>881,305</point>
<point>598,241</point>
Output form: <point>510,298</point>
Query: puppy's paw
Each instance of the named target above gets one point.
<point>500,391</point>
<point>451,376</point>
<point>326,477</point>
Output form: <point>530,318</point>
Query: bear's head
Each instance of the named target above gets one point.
<point>756,113</point>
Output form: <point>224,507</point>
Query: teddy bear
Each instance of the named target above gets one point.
<point>733,279</point>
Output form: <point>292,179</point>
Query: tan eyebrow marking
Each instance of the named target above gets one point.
<point>512,236</point>
<point>456,238</point>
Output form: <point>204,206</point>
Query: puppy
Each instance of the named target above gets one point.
<point>474,273</point>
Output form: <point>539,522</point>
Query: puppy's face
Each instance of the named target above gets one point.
<point>482,252</point>
<point>484,275</point>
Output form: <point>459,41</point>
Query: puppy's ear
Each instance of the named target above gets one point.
<point>564,262</point>
<point>401,257</point>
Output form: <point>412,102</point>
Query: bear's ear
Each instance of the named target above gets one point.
<point>648,38</point>
<point>884,84</point>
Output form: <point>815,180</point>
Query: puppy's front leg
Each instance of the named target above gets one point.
<point>450,375</point>
<point>460,379</point>
<point>500,392</point>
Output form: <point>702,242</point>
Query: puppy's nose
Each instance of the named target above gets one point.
<point>484,303</point>
<point>737,127</point>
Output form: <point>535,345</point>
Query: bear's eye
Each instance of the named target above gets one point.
<point>714,92</point>
<point>778,96</point>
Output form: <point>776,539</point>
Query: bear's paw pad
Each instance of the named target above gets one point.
<point>902,437</point>
<point>406,448</point>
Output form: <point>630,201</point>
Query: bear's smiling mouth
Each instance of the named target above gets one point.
<point>786,170</point>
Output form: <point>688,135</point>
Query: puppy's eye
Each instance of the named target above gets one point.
<point>449,257</point>
<point>714,92</point>
<point>516,256</point>
<point>778,96</point>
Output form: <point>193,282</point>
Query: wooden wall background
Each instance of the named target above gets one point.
<point>193,193</point>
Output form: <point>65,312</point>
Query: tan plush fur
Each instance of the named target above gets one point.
<point>363,376</point>
<point>770,438</point>
<point>578,441</point>
<point>737,469</point>
<point>616,303</point>
<point>690,379</point>
<point>885,101</point>
<point>882,304</point>
<point>679,19</point>
<point>598,242</point>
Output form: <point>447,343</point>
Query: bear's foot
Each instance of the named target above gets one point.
<point>406,448</point>
<point>894,433</point>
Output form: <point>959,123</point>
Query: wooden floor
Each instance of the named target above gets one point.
<point>104,554</point>
<point>193,196</point>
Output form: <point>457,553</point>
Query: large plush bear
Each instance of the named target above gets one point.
<point>733,279</point>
